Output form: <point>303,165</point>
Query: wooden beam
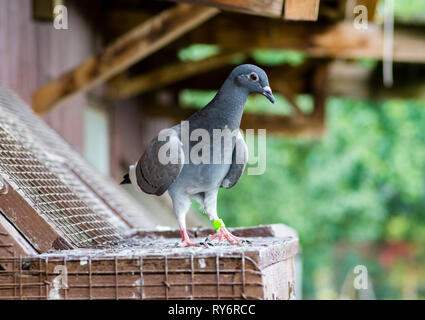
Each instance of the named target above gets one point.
<point>123,87</point>
<point>135,45</point>
<point>340,40</point>
<point>301,10</point>
<point>319,84</point>
<point>269,8</point>
<point>345,79</point>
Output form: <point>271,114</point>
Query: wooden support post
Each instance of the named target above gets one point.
<point>320,94</point>
<point>301,10</point>
<point>135,45</point>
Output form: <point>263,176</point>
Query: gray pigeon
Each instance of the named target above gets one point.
<point>221,165</point>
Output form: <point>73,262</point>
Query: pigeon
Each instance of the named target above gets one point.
<point>186,178</point>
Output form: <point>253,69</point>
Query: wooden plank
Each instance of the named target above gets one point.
<point>269,8</point>
<point>135,45</point>
<point>301,10</point>
<point>123,87</point>
<point>29,223</point>
<point>13,244</point>
<point>335,40</point>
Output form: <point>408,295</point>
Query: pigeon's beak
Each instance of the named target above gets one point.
<point>267,92</point>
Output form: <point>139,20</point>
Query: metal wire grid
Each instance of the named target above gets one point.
<point>63,172</point>
<point>30,125</point>
<point>51,198</point>
<point>131,278</point>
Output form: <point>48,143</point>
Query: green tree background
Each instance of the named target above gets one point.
<point>363,182</point>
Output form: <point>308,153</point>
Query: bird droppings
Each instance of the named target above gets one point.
<point>83,261</point>
<point>202,263</point>
<point>137,284</point>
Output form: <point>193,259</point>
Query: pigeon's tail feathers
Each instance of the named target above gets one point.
<point>139,181</point>
<point>126,179</point>
<point>147,186</point>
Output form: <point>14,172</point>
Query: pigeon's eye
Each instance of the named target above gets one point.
<point>253,76</point>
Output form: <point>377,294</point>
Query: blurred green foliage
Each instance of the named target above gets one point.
<point>363,182</point>
<point>411,11</point>
<point>278,57</point>
<point>197,52</point>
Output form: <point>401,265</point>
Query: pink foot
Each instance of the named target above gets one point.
<point>183,244</point>
<point>223,233</point>
<point>186,241</point>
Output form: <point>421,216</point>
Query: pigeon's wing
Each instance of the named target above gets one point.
<point>239,161</point>
<point>161,163</point>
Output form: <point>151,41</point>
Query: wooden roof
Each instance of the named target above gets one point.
<point>151,35</point>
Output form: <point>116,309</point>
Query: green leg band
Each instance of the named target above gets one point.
<point>218,224</point>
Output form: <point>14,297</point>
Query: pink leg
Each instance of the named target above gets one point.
<point>186,241</point>
<point>223,233</point>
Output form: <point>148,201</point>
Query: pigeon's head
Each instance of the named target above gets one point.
<point>252,78</point>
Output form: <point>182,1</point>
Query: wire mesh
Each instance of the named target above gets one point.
<point>51,197</point>
<point>98,191</point>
